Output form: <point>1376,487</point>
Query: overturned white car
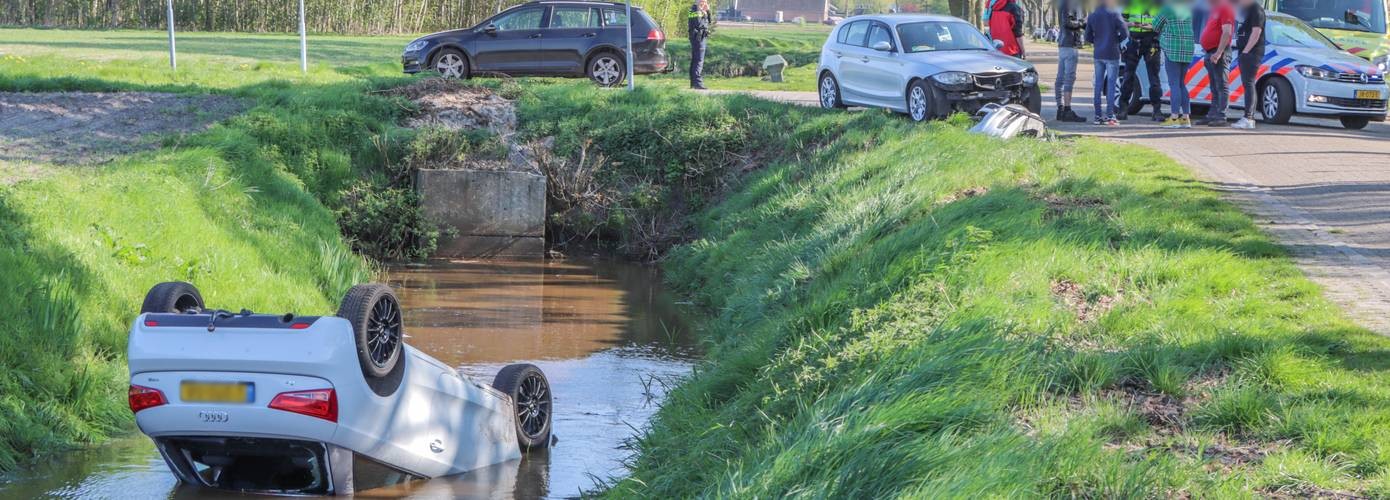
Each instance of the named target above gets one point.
<point>317,405</point>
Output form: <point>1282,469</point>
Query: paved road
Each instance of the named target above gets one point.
<point>1322,191</point>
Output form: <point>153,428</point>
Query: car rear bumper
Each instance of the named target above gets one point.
<point>652,61</point>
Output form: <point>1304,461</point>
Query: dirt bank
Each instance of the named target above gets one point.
<point>86,127</point>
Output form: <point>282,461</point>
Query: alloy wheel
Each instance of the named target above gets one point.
<point>917,103</point>
<point>383,330</point>
<point>605,71</point>
<point>827,92</point>
<point>1270,104</point>
<point>533,404</point>
<point>449,65</point>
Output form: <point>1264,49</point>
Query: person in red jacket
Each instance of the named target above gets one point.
<point>1006,25</point>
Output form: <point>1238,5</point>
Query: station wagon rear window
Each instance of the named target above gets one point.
<point>931,36</point>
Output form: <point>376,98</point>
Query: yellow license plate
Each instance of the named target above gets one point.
<point>1368,94</point>
<point>217,392</point>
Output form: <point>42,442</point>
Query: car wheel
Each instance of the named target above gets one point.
<point>450,63</point>
<point>606,69</point>
<point>377,328</point>
<point>1033,101</point>
<point>1355,122</point>
<point>830,92</point>
<point>919,101</point>
<point>1276,100</point>
<point>531,400</point>
<point>172,297</point>
<point>1136,104</point>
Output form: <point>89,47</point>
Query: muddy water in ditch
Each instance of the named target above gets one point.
<point>607,337</point>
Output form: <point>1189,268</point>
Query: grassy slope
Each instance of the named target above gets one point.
<point>884,330</point>
<point>232,210</point>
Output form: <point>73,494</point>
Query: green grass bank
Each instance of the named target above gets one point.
<point>914,311</point>
<point>245,210</point>
<point>893,310</point>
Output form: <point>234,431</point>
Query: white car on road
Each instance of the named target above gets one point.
<point>317,405</point>
<point>1303,73</point>
<point>927,66</point>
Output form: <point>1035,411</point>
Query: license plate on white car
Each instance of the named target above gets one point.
<point>1368,94</point>
<point>217,392</point>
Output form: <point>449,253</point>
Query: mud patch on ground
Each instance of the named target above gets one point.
<point>1086,308</point>
<point>969,192</point>
<point>453,106</point>
<point>1057,206</point>
<point>75,128</point>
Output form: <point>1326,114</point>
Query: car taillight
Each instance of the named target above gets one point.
<point>321,403</point>
<point>655,36</point>
<point>141,397</point>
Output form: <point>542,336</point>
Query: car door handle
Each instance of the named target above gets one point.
<point>839,54</point>
<point>590,35</point>
<point>865,59</point>
<point>537,35</point>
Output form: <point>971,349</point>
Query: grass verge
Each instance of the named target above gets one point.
<point>918,311</point>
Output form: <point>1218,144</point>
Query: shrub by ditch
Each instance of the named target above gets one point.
<point>387,223</point>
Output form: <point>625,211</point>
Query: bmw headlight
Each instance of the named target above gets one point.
<point>1030,78</point>
<point>1317,73</point>
<point>415,46</point>
<point>952,78</point>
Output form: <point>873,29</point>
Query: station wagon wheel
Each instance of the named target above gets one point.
<point>451,63</point>
<point>531,401</point>
<point>830,92</point>
<point>378,332</point>
<point>606,69</point>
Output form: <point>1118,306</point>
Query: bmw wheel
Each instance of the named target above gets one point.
<point>379,332</point>
<point>531,398</point>
<point>830,92</point>
<point>450,63</point>
<point>919,101</point>
<point>606,69</point>
<point>1277,100</point>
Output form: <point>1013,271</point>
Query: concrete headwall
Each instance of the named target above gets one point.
<point>496,213</point>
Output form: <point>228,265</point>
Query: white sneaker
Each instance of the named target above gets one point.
<point>1244,124</point>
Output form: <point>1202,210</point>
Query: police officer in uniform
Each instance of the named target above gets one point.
<point>1139,15</point>
<point>697,26</point>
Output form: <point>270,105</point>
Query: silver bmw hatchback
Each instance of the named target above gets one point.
<point>926,66</point>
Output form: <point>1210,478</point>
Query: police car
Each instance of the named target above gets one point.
<point>287,404</point>
<point>1302,73</point>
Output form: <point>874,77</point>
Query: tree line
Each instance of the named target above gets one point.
<point>321,16</point>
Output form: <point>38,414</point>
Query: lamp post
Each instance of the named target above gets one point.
<point>630,84</point>
<point>173,59</point>
<point>303,44</point>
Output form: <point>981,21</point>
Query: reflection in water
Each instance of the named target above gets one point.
<point>609,341</point>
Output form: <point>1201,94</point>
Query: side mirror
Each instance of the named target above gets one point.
<point>998,45</point>
<point>882,46</point>
<point>490,29</point>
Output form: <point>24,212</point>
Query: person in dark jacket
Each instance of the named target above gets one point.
<point>697,27</point>
<point>1072,22</point>
<point>1105,30</point>
<point>1143,47</point>
<point>1006,25</point>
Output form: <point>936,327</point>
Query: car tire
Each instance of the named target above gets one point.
<point>1276,101</point>
<point>172,297</point>
<point>606,69</point>
<point>451,63</point>
<point>531,403</point>
<point>1136,104</point>
<point>1033,101</point>
<point>1355,122</point>
<point>922,101</point>
<point>379,333</point>
<point>829,92</point>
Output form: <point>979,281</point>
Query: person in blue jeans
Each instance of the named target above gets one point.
<point>1105,31</point>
